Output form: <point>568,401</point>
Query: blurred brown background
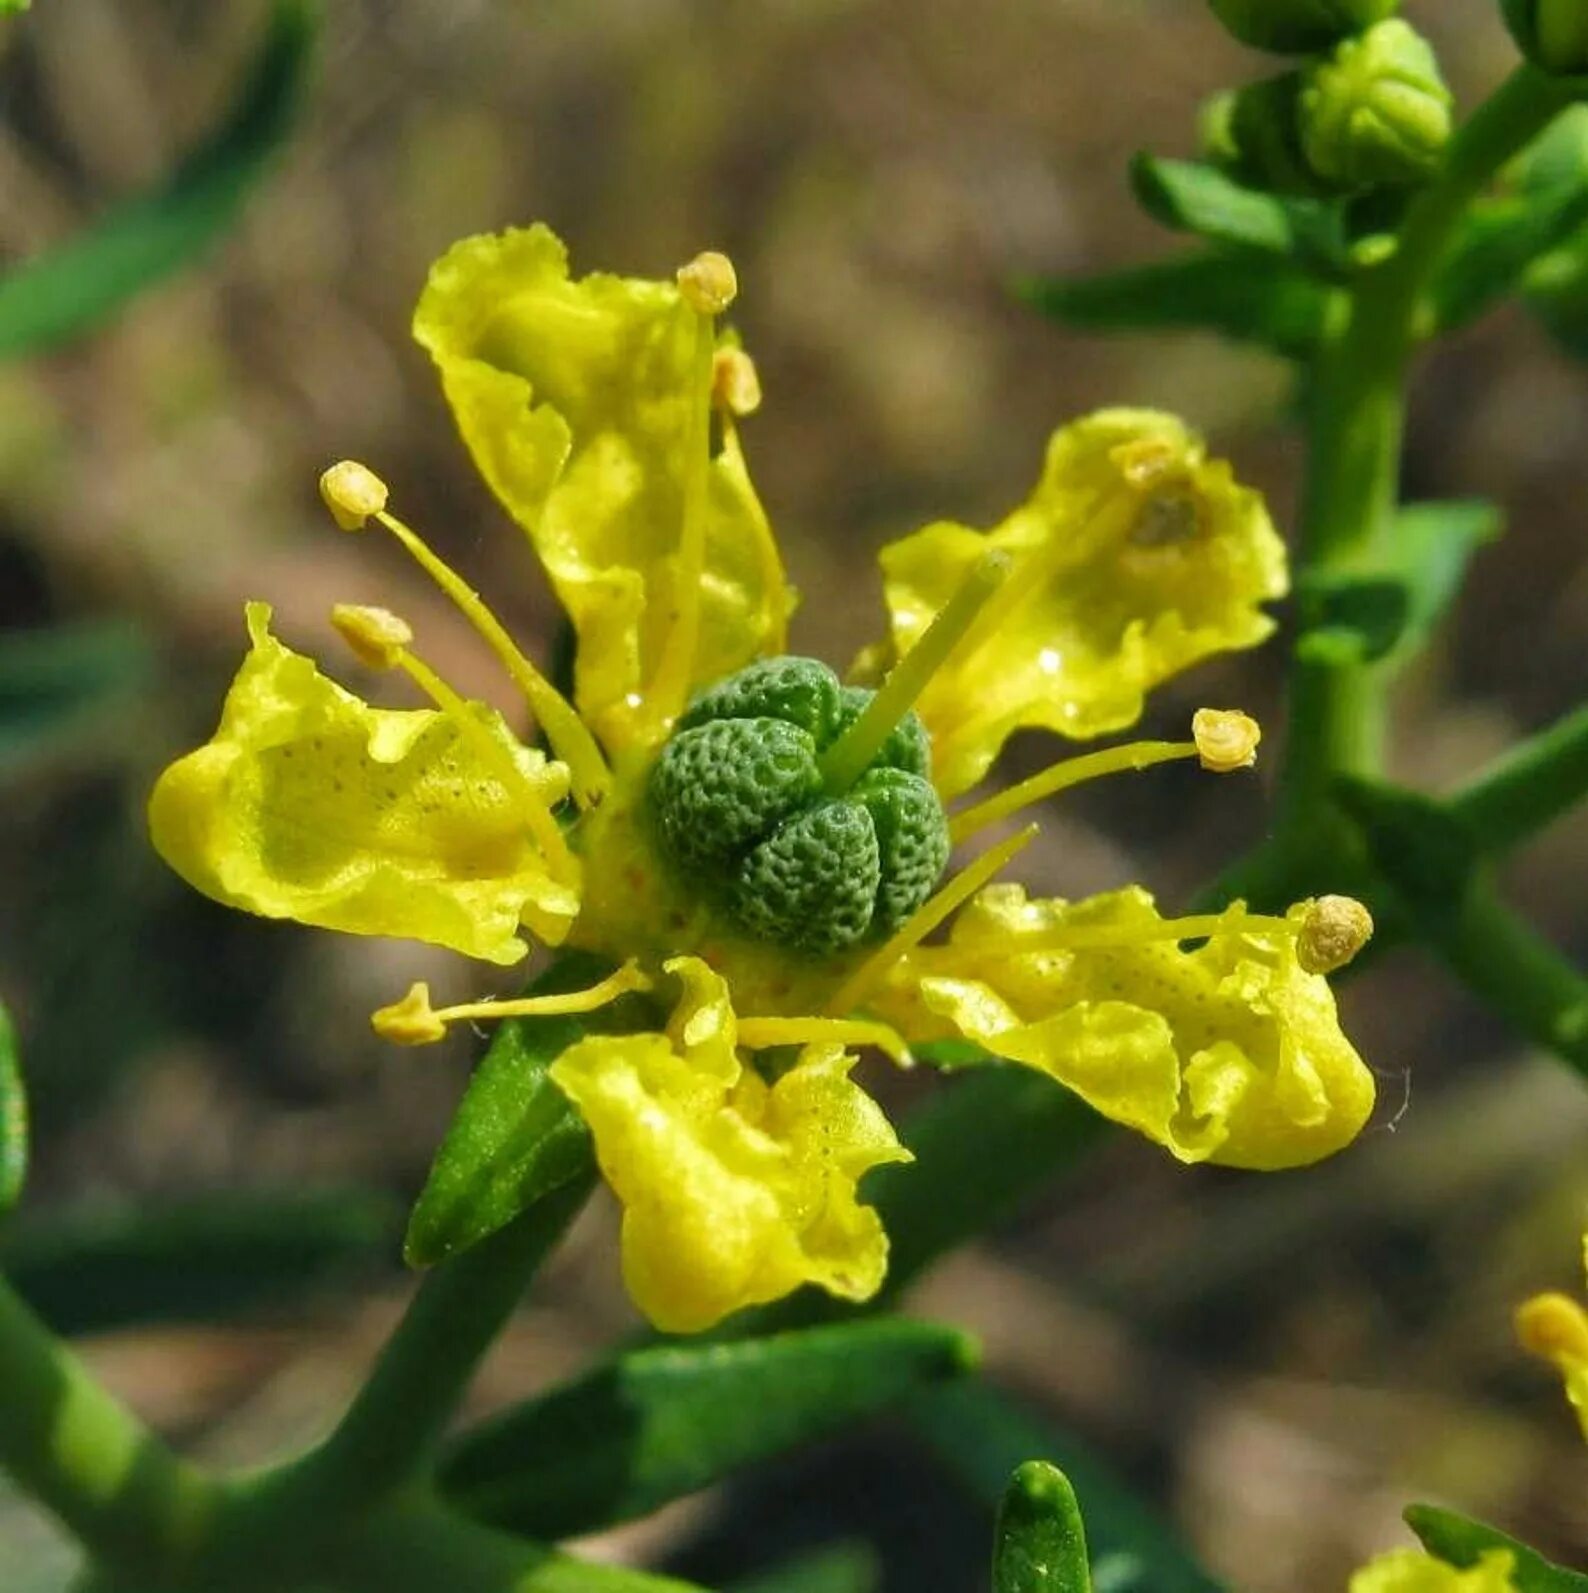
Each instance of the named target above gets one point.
<point>1280,1362</point>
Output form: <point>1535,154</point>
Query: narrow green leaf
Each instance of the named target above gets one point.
<point>1529,786</point>
<point>205,1259</point>
<point>982,1437</point>
<point>1039,1544</point>
<point>73,288</point>
<point>1459,1541</point>
<point>839,1568</point>
<point>1385,612</point>
<point>666,1421</point>
<point>515,1136</point>
<point>1243,295</point>
<point>13,1118</point>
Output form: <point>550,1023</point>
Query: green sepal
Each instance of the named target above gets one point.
<point>1244,295</point>
<point>666,1421</point>
<point>838,1568</point>
<point>13,1118</point>
<point>71,289</point>
<point>1039,1543</point>
<point>1459,1541</point>
<point>515,1136</point>
<point>1384,612</point>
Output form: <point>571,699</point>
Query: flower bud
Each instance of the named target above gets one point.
<point>1299,27</point>
<point>1553,34</point>
<point>1254,133</point>
<point>1377,112</point>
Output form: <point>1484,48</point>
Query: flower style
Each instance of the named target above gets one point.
<point>1555,1327</point>
<point>720,814</point>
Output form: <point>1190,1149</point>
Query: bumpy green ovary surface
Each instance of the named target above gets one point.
<point>742,815</point>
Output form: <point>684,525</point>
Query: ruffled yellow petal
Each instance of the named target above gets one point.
<point>1412,1571</point>
<point>1136,557</point>
<point>576,401</point>
<point>310,805</point>
<point>734,1192</point>
<point>1229,1053</point>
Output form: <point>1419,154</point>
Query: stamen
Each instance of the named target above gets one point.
<point>413,1021</point>
<point>756,1034</point>
<point>376,635</point>
<point>927,917</point>
<point>344,488</point>
<point>735,382</point>
<point>1335,929</point>
<point>1226,739</point>
<point>850,755</point>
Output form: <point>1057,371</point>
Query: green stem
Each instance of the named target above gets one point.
<point>1529,787</point>
<point>88,1459</point>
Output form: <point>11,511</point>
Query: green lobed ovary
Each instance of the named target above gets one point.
<point>743,815</point>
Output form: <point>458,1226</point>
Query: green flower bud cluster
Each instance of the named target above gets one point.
<point>742,813</point>
<point>1374,113</point>
<point>1553,34</point>
<point>1299,27</point>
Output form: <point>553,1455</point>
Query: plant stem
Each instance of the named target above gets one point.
<point>87,1458</point>
<point>1529,787</point>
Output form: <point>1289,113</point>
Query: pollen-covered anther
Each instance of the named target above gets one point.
<point>1226,740</point>
<point>376,635</point>
<point>352,492</point>
<point>1334,930</point>
<point>735,382</point>
<point>708,283</point>
<point>411,1021</point>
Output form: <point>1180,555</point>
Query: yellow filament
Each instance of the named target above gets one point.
<point>1203,926</point>
<point>1061,776</point>
<point>849,756</point>
<point>628,978</point>
<point>755,1034</point>
<point>542,821</point>
<point>569,738</point>
<point>669,687</point>
<point>927,917</point>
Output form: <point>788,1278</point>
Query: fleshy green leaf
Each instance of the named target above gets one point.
<point>72,288</point>
<point>840,1568</point>
<point>202,1260</point>
<point>982,1437</point>
<point>1458,1541</point>
<point>1247,296</point>
<point>1387,611</point>
<point>666,1421</point>
<point>13,1118</point>
<point>515,1135</point>
<point>1040,1543</point>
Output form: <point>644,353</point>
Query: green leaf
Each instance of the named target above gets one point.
<point>73,288</point>
<point>7,7</point>
<point>1039,1543</point>
<point>1385,612</point>
<point>666,1421</point>
<point>1243,295</point>
<point>982,1437</point>
<point>199,1260</point>
<point>57,686</point>
<point>839,1568</point>
<point>13,1118</point>
<point>1458,1541</point>
<point>515,1136</point>
<point>1191,196</point>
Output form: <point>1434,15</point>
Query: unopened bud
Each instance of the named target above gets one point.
<point>1254,133</point>
<point>1226,739</point>
<point>1553,34</point>
<point>410,1021</point>
<point>1377,112</point>
<point>352,492</point>
<point>735,383</point>
<point>376,635</point>
<point>1334,930</point>
<point>1299,27</point>
<point>708,283</point>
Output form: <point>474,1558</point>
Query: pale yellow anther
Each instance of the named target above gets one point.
<point>352,492</point>
<point>735,383</point>
<point>708,283</point>
<point>376,635</point>
<point>1226,739</point>
<point>1334,930</point>
<point>411,1021</point>
<point>1148,462</point>
<point>1553,1326</point>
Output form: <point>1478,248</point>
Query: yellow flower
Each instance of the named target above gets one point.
<point>742,818</point>
<point>1555,1327</point>
<point>1412,1571</point>
<point>734,1191</point>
